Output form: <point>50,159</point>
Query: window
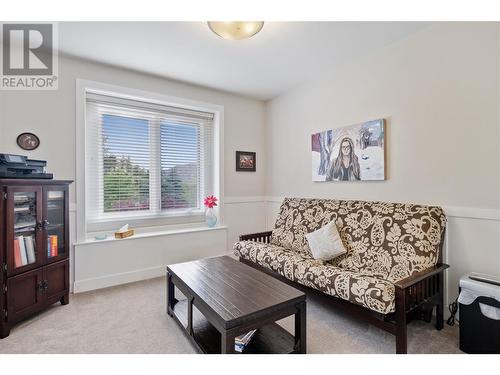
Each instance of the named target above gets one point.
<point>145,161</point>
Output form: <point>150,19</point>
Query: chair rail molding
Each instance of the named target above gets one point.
<point>245,199</point>
<point>452,211</point>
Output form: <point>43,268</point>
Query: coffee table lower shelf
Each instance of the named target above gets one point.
<point>269,339</point>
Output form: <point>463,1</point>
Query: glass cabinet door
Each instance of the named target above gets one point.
<point>55,223</point>
<point>24,212</point>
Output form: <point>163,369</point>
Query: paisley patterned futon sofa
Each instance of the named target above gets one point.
<point>393,263</point>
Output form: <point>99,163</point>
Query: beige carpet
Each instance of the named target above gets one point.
<point>132,319</point>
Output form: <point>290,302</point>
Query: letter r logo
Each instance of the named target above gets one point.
<point>27,49</point>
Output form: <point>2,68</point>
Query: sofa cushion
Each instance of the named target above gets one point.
<point>298,217</point>
<point>325,243</point>
<point>360,288</point>
<point>269,256</point>
<point>388,240</point>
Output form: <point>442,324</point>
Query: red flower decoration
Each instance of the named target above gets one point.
<point>210,201</point>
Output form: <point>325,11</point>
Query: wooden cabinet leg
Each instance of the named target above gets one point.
<point>300,329</point>
<point>64,299</point>
<point>4,331</point>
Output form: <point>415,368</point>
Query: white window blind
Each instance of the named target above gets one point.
<point>145,160</point>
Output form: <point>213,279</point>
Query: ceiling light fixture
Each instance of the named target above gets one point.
<point>236,30</point>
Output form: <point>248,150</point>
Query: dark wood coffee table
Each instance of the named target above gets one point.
<point>226,298</point>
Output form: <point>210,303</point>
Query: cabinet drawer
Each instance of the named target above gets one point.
<point>25,294</point>
<point>57,279</point>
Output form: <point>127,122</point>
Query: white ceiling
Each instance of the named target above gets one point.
<point>281,56</point>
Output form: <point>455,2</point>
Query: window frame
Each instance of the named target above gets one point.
<point>170,218</point>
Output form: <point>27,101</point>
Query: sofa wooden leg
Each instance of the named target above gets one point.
<point>401,339</point>
<point>440,304</point>
<point>401,336</point>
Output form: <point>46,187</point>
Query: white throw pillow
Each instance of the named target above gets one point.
<point>325,243</point>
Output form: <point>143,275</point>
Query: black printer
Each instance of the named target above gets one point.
<point>19,166</point>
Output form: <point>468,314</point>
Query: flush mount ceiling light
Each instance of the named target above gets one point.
<point>236,30</point>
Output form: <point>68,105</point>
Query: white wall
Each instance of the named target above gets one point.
<point>107,263</point>
<point>439,91</point>
<point>51,115</point>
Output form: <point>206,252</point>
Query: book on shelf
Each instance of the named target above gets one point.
<point>54,206</point>
<point>55,195</point>
<point>30,249</point>
<point>241,342</point>
<point>21,198</point>
<point>17,254</point>
<point>53,243</point>
<point>52,249</point>
<point>22,247</point>
<point>24,251</point>
<point>22,209</point>
<point>24,224</point>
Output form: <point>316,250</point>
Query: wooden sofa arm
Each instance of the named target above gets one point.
<point>419,276</point>
<point>257,237</point>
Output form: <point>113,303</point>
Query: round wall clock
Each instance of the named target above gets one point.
<point>28,141</point>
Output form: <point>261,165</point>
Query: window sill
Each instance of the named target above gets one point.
<point>143,222</point>
<point>169,232</point>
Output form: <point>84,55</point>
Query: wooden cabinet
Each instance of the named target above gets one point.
<point>34,247</point>
<point>24,295</point>
<point>57,282</point>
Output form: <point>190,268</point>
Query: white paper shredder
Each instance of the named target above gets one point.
<point>479,316</point>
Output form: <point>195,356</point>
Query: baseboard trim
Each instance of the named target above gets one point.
<point>80,286</point>
<point>107,281</point>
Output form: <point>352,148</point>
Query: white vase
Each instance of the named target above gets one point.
<point>210,217</point>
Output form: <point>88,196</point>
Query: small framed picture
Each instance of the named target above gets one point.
<point>28,141</point>
<point>245,161</point>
